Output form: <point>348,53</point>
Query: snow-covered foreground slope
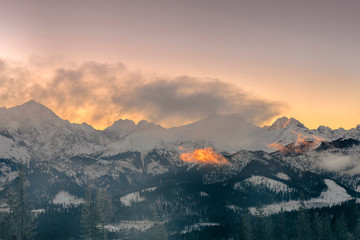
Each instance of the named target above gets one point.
<point>332,196</point>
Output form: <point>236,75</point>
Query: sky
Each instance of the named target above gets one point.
<point>174,62</point>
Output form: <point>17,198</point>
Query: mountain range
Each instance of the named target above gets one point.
<point>142,163</point>
<point>32,131</point>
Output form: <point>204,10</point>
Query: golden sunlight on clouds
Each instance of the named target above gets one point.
<point>100,94</point>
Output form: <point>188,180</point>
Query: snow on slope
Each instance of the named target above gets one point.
<point>285,123</point>
<point>123,128</point>
<point>130,198</point>
<point>10,150</point>
<point>36,132</point>
<point>151,189</point>
<point>6,174</point>
<point>332,196</point>
<point>204,194</point>
<point>198,226</point>
<point>227,133</point>
<point>285,131</point>
<point>283,176</point>
<point>135,197</point>
<point>270,184</point>
<point>65,198</point>
<point>130,225</point>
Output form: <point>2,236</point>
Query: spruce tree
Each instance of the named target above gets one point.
<point>316,227</point>
<point>158,230</point>
<point>340,228</point>
<point>2,226</point>
<point>268,229</point>
<point>326,227</point>
<point>89,228</point>
<point>280,230</point>
<point>11,228</point>
<point>19,220</point>
<point>302,223</point>
<point>22,212</point>
<point>95,213</point>
<point>356,222</point>
<point>263,225</point>
<point>245,229</point>
<point>104,210</point>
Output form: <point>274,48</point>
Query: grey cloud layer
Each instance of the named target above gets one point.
<point>100,91</point>
<point>338,162</point>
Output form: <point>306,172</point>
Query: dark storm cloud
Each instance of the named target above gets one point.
<point>100,93</point>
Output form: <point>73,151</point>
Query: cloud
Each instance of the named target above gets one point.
<point>338,162</point>
<point>101,93</point>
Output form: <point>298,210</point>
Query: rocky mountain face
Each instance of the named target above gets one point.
<point>142,162</point>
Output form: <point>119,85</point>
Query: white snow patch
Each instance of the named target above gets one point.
<point>197,226</point>
<point>204,194</point>
<point>149,189</point>
<point>155,168</point>
<point>128,225</point>
<point>66,198</point>
<point>234,208</point>
<point>4,208</point>
<point>266,182</point>
<point>334,195</point>
<point>283,176</point>
<point>37,211</point>
<point>130,198</point>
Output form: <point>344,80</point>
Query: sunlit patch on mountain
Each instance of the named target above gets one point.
<point>204,156</point>
<point>302,144</point>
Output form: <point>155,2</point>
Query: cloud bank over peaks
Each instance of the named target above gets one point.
<point>100,93</point>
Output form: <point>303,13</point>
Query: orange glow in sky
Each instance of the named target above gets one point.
<point>303,55</point>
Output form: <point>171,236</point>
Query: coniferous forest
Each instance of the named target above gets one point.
<point>90,219</point>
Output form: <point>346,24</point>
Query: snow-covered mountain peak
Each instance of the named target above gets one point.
<point>86,126</point>
<point>123,128</point>
<point>226,133</point>
<point>221,121</point>
<point>123,124</point>
<point>130,126</point>
<point>358,127</point>
<point>324,129</point>
<point>285,123</point>
<point>30,113</point>
<point>31,102</point>
<point>145,125</point>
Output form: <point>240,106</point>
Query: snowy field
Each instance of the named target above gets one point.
<point>334,195</point>
<point>130,225</point>
<point>65,198</point>
<point>198,226</point>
